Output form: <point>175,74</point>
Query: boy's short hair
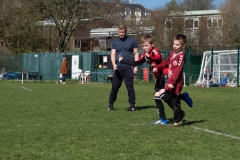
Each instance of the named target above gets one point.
<point>182,38</point>
<point>122,27</point>
<point>147,38</point>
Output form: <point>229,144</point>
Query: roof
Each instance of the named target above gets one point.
<point>114,31</point>
<point>133,6</point>
<point>93,37</point>
<point>46,23</point>
<point>201,12</point>
<point>196,13</point>
<point>108,30</point>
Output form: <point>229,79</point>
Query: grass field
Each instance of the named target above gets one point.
<point>67,122</point>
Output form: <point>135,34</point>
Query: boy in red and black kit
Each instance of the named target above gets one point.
<point>152,56</point>
<point>173,87</point>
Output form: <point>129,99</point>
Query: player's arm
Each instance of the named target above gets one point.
<point>137,61</point>
<point>132,63</point>
<point>140,61</point>
<point>161,66</point>
<point>113,58</point>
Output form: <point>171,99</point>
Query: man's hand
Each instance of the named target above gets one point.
<point>120,58</point>
<point>135,70</point>
<point>115,67</point>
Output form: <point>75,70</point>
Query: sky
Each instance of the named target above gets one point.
<point>153,4</point>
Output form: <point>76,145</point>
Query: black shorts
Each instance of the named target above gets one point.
<point>159,84</point>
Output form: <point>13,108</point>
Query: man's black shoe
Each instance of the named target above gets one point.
<point>131,108</point>
<point>110,108</point>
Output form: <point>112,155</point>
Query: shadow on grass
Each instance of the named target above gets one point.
<point>188,123</point>
<point>193,122</point>
<point>144,107</point>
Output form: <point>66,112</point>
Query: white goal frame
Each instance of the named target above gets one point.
<point>223,61</point>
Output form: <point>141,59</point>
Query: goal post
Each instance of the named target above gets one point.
<point>219,62</point>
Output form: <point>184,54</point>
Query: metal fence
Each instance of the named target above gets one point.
<point>46,66</point>
<point>10,64</point>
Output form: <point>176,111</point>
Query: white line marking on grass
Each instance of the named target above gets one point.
<point>26,88</point>
<point>138,124</point>
<point>218,133</point>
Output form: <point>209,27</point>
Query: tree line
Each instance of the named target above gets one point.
<point>22,29</point>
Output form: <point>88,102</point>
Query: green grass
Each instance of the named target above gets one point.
<point>66,122</point>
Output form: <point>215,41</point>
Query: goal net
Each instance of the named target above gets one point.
<point>223,61</point>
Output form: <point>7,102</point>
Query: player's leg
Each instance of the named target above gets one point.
<point>158,95</point>
<point>178,112</point>
<point>186,98</point>
<point>168,98</point>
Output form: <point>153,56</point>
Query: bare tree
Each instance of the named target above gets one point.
<point>167,22</point>
<point>173,5</point>
<point>231,19</point>
<point>191,5</point>
<point>68,15</point>
<point>18,30</point>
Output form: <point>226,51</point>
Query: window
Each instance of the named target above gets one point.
<point>195,24</point>
<point>128,13</point>
<point>209,24</point>
<point>148,14</point>
<point>77,43</point>
<point>191,23</point>
<point>215,22</point>
<point>85,45</point>
<point>168,25</point>
<point>138,13</point>
<point>220,23</point>
<point>102,42</point>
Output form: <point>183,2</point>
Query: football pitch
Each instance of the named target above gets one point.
<point>65,122</point>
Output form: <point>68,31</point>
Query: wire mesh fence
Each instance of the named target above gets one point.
<point>10,65</point>
<point>46,66</point>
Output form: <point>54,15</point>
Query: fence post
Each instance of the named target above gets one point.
<point>184,79</point>
<point>212,60</point>
<point>15,61</point>
<point>39,65</point>
<point>238,66</point>
<point>187,67</point>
